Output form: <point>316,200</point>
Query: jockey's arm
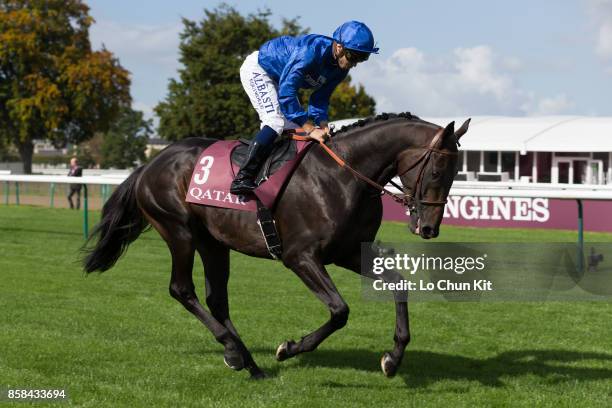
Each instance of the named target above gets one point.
<point>318,105</point>
<point>288,89</point>
<point>290,103</point>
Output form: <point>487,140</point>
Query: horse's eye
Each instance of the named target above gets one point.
<point>436,174</point>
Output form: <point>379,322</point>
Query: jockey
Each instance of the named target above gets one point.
<point>273,76</point>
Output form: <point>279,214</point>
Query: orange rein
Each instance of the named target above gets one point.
<point>329,151</point>
<point>398,198</point>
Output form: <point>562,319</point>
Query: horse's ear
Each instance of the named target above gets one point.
<point>461,131</point>
<point>450,128</point>
<point>448,131</point>
<point>443,135</point>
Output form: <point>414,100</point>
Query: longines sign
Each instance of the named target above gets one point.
<point>497,208</point>
<point>515,213</point>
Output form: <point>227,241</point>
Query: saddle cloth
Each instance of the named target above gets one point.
<point>220,162</point>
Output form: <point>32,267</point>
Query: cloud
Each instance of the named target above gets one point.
<point>604,43</point>
<point>469,81</point>
<point>139,44</point>
<point>554,105</point>
<point>601,13</point>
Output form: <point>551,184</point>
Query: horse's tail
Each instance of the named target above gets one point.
<point>122,222</point>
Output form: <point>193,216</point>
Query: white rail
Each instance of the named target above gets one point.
<point>460,188</point>
<point>22,178</point>
<point>532,190</point>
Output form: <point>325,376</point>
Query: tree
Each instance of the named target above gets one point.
<point>3,150</point>
<point>346,102</point>
<point>208,99</point>
<point>92,148</point>
<point>52,85</point>
<point>125,143</point>
<point>349,101</point>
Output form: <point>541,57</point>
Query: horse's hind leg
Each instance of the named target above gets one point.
<point>215,258</point>
<point>390,361</point>
<point>312,272</point>
<point>182,287</point>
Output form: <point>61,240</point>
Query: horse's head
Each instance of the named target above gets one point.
<point>427,174</point>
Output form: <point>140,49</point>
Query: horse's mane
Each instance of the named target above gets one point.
<point>374,119</point>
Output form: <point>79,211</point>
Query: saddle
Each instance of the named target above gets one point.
<point>283,151</point>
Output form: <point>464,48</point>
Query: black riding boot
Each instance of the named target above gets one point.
<point>244,183</point>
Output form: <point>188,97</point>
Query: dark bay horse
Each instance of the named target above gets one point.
<point>322,217</point>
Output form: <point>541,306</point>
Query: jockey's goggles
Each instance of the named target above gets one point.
<point>356,56</point>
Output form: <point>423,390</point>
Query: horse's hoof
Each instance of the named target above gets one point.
<point>233,361</point>
<point>282,352</point>
<point>388,365</point>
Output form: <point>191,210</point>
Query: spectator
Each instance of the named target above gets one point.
<point>75,171</point>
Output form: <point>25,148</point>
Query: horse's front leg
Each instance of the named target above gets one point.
<point>312,272</point>
<point>390,361</point>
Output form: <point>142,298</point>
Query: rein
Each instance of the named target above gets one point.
<point>407,200</point>
<point>401,199</point>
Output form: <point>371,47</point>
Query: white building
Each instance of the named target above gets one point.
<point>552,149</point>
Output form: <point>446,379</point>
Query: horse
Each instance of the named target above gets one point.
<point>322,217</point>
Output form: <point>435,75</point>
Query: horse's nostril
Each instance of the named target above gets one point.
<point>426,230</point>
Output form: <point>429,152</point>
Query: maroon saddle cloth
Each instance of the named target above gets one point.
<point>218,164</point>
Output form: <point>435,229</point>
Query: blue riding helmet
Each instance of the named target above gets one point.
<point>355,35</point>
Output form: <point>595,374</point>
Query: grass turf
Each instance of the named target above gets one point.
<point>118,339</point>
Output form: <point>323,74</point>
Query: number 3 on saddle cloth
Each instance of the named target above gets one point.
<point>220,162</point>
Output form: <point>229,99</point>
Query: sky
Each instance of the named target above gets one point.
<point>437,58</point>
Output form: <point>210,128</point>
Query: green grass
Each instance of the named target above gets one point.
<point>119,339</point>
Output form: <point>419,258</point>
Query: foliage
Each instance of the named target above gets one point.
<point>92,148</point>
<point>208,98</point>
<point>86,160</point>
<point>123,146</point>
<point>347,101</point>
<point>5,152</point>
<point>52,85</point>
<point>125,143</point>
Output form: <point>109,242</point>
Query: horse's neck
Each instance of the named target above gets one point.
<point>374,149</point>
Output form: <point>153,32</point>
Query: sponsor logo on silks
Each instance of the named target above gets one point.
<point>216,195</point>
<point>260,86</point>
<point>497,208</point>
<point>315,83</point>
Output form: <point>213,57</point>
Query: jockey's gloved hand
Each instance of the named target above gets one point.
<point>316,133</point>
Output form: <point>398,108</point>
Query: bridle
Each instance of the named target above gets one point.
<point>415,198</point>
<point>410,201</point>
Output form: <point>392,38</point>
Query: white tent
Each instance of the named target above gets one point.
<point>535,134</point>
<point>531,134</point>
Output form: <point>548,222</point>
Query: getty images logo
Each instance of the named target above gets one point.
<point>412,264</point>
